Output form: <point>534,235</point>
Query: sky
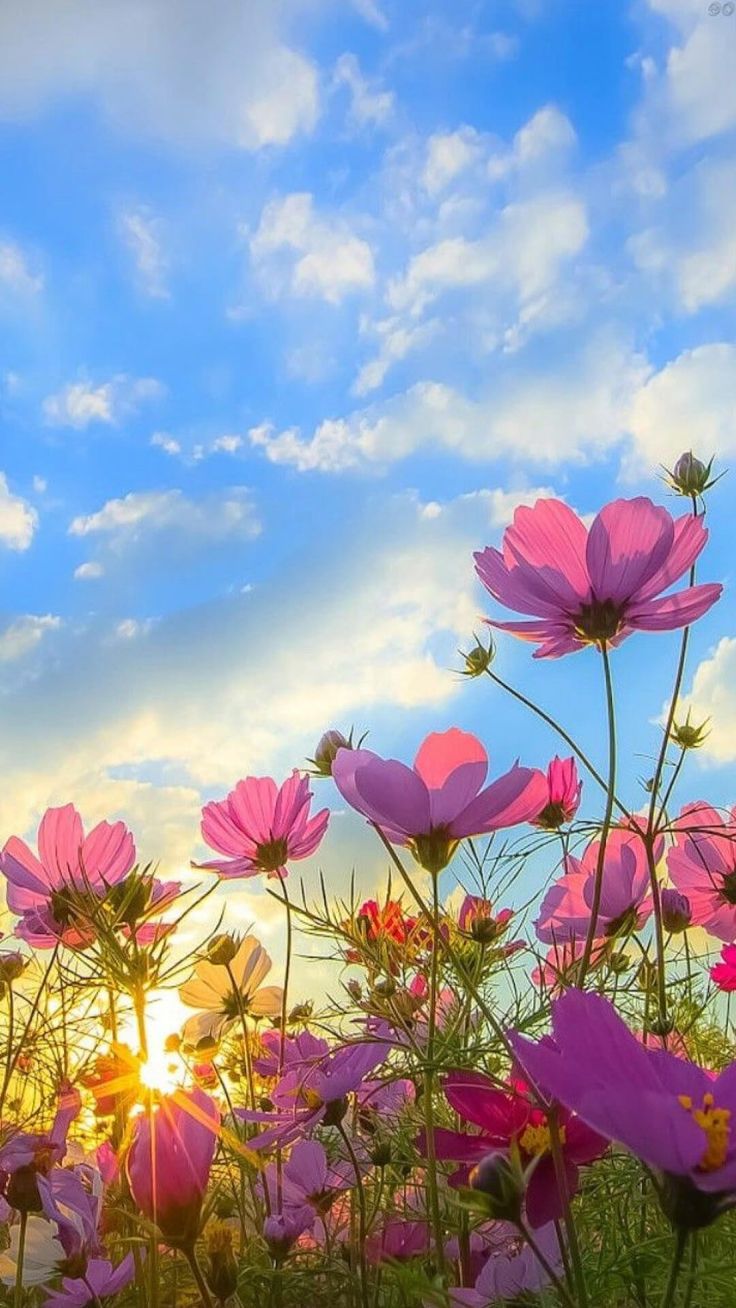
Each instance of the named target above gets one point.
<point>299,299</point>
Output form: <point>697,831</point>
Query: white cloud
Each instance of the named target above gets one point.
<point>297,249</point>
<point>691,400</point>
<point>23,634</point>
<point>543,142</point>
<point>372,13</point>
<point>142,234</point>
<point>397,340</point>
<point>229,444</point>
<point>570,411</point>
<point>90,571</point>
<point>135,518</point>
<point>15,271</point>
<point>80,403</point>
<point>713,695</point>
<point>163,70</point>
<point>18,518</point>
<point>163,441</point>
<point>369,104</point>
<point>132,628</point>
<point>524,253</point>
<point>448,155</point>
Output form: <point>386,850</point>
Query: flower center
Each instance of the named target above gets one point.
<point>715,1123</point>
<point>598,621</point>
<point>311,1098</point>
<point>272,854</point>
<point>728,887</point>
<point>535,1139</point>
<point>434,850</point>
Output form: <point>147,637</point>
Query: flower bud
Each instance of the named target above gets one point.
<point>690,476</point>
<point>479,659</point>
<point>501,1183</point>
<point>300,1013</point>
<point>687,735</point>
<point>381,1155</point>
<point>222,949</point>
<point>676,911</point>
<point>326,751</point>
<point>222,1269</point>
<point>12,966</point>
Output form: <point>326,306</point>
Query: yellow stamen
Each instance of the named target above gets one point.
<point>536,1139</point>
<point>715,1123</point>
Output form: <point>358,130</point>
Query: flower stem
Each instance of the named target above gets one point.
<point>18,1292</point>
<point>429,1083</point>
<point>668,1298</point>
<point>573,1247</point>
<point>610,799</point>
<point>690,1285</point>
<point>545,1265</point>
<point>362,1217</point>
<point>200,1282</point>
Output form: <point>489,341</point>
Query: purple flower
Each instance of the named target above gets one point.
<point>625,903</point>
<point>512,1269</point>
<point>100,1281</point>
<point>398,1241</point>
<point>672,1114</point>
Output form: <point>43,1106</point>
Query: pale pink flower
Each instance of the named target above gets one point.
<point>625,902</point>
<point>564,788</point>
<point>261,826</point>
<point>702,865</point>
<point>441,799</point>
<point>46,891</point>
<point>595,586</point>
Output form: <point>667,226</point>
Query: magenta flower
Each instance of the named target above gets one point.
<point>27,1158</point>
<point>298,1051</point>
<point>595,587</point>
<point>309,1186</point>
<point>100,1281</point>
<point>724,973</point>
<point>669,1112</point>
<point>169,1160</point>
<point>564,788</point>
<point>512,1270</point>
<point>506,1118</point>
<point>47,891</point>
<point>438,802</point>
<point>625,903</point>
<point>310,1094</point>
<point>261,826</point>
<point>702,865</point>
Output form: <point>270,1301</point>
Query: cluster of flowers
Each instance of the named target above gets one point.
<point>436,1136</point>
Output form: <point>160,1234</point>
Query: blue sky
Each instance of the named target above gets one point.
<point>297,302</point>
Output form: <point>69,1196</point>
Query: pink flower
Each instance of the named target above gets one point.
<point>48,891</point>
<point>100,1281</point>
<point>563,798</point>
<point>169,1162</point>
<point>724,973</point>
<point>702,865</point>
<point>513,1270</point>
<point>398,1241</point>
<point>594,587</point>
<point>261,826</point>
<point>477,919</point>
<point>625,904</point>
<point>435,804</point>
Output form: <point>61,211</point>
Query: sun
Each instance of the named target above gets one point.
<point>160,1071</point>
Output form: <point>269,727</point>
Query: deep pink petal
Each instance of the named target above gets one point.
<point>517,796</point>
<point>60,837</point>
<point>442,752</point>
<point>628,543</point>
<point>674,611</point>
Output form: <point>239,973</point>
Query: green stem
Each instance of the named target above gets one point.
<point>200,1282</point>
<point>658,935</point>
<point>23,1040</point>
<point>18,1292</point>
<point>545,1265</point>
<point>610,799</point>
<point>429,1077</point>
<point>573,1246</point>
<point>139,1005</point>
<point>362,1216</point>
<point>690,1285</point>
<point>668,1298</point>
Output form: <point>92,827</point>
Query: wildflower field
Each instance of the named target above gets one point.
<point>500,1102</point>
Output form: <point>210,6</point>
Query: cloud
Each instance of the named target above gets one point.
<point>447,155</point>
<point>569,410</point>
<point>23,634</point>
<point>16,274</point>
<point>523,254</point>
<point>81,403</point>
<point>163,441</point>
<point>89,571</point>
<point>694,98</point>
<point>297,250</point>
<point>713,695</point>
<point>369,104</point>
<point>136,518</point>
<point>142,234</point>
<point>692,397</point>
<point>18,518</point>
<point>397,340</point>
<point>141,60</point>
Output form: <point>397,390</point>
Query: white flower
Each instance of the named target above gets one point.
<point>41,1255</point>
<point>221,992</point>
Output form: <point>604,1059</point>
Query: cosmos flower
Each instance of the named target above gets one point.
<point>512,1270</point>
<point>507,1117</point>
<point>595,586</point>
<point>100,1281</point>
<point>625,902</point>
<point>440,800</point>
<point>47,892</point>
<point>26,1158</point>
<point>564,789</point>
<point>724,973</point>
<point>222,992</point>
<point>398,1241</point>
<point>672,1114</point>
<point>702,865</point>
<point>42,1253</point>
<point>169,1160</point>
<point>260,827</point>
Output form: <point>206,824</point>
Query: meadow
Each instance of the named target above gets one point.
<point>500,1103</point>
